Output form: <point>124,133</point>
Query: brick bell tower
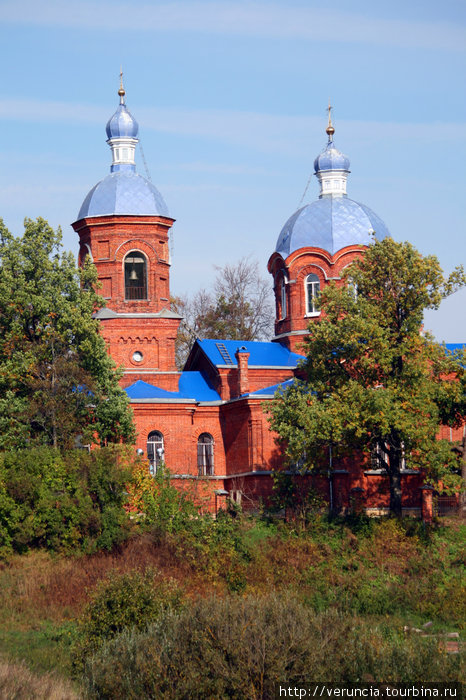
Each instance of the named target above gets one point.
<point>123,225</point>
<point>316,244</point>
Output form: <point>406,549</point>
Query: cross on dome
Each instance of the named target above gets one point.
<point>331,166</point>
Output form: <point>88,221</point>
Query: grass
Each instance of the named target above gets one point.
<point>387,571</point>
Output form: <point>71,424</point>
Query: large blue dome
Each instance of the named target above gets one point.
<point>122,124</point>
<point>330,223</point>
<point>123,192</point>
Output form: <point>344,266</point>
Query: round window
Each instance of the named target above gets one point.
<point>137,356</point>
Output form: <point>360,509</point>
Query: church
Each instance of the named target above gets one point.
<point>207,422</point>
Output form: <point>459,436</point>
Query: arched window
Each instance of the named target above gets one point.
<point>312,290</point>
<point>135,276</point>
<point>155,450</point>
<point>283,299</point>
<point>205,455</point>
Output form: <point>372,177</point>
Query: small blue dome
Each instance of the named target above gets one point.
<point>331,159</point>
<point>122,124</point>
<point>123,192</point>
<point>330,223</point>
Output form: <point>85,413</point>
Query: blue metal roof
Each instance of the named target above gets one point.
<point>262,354</point>
<point>191,386</point>
<point>123,192</point>
<point>453,347</point>
<point>330,223</point>
<point>194,384</point>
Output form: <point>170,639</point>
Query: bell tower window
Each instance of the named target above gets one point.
<point>135,276</point>
<point>312,290</point>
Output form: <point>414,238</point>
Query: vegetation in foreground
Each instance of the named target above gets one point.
<point>352,584</point>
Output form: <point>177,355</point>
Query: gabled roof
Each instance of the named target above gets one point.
<point>192,386</point>
<point>221,353</point>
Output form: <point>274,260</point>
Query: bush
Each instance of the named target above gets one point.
<point>61,503</point>
<point>122,601</point>
<point>158,504</point>
<point>239,648</point>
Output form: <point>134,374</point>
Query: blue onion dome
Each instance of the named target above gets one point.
<point>331,159</point>
<point>331,223</point>
<point>122,124</point>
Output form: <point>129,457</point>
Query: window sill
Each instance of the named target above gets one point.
<point>313,314</point>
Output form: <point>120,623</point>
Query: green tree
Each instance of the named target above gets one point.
<point>373,382</point>
<point>56,378</point>
<point>238,308</point>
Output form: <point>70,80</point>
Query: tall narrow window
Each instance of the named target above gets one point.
<point>312,289</point>
<point>283,299</point>
<point>205,455</point>
<point>135,276</point>
<point>155,450</point>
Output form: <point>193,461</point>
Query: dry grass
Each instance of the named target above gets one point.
<point>17,682</point>
<point>37,586</point>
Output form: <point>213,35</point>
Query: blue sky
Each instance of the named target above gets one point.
<point>231,101</point>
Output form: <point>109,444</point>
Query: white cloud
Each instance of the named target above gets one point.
<point>273,20</point>
<point>271,133</point>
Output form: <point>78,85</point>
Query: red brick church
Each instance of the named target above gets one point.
<point>207,422</point>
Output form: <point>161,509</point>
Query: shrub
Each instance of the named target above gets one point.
<point>61,503</point>
<point>161,506</point>
<point>239,648</point>
<point>121,601</point>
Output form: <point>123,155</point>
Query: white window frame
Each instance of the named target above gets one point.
<point>311,281</point>
<point>155,454</point>
<point>205,455</point>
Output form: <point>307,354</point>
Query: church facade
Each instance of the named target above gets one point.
<point>207,423</point>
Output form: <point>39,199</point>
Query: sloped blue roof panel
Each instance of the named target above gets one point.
<point>194,385</point>
<point>191,386</point>
<point>143,390</point>
<point>261,354</point>
<point>453,347</point>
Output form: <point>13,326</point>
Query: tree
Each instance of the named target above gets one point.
<point>239,308</point>
<point>373,382</point>
<point>57,381</point>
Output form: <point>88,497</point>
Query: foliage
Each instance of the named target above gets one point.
<point>381,573</point>
<point>122,601</point>
<point>239,308</point>
<point>61,504</point>
<point>57,381</point>
<point>240,647</point>
<point>373,382</point>
<point>155,501</point>
<point>291,495</point>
